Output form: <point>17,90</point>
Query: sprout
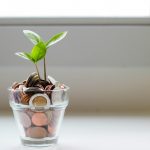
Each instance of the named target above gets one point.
<point>40,47</point>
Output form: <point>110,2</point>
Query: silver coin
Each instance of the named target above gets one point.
<point>56,95</point>
<point>39,101</point>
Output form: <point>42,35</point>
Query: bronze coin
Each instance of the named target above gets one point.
<point>55,118</point>
<point>49,87</point>
<point>15,85</point>
<point>48,91</point>
<point>21,86</point>
<point>30,112</point>
<point>24,82</point>
<point>25,99</point>
<point>16,96</point>
<point>51,130</point>
<point>39,119</point>
<point>24,119</point>
<point>36,132</point>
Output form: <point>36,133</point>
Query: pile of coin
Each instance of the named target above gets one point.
<point>23,92</point>
<point>40,124</point>
<point>39,120</point>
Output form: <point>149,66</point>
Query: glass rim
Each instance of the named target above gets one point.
<point>17,106</point>
<point>54,90</point>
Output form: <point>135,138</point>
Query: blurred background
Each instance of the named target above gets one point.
<point>105,58</point>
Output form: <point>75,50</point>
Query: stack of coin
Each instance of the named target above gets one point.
<point>22,92</point>
<point>32,80</point>
<point>17,90</point>
<point>39,120</point>
<point>58,93</point>
<point>39,124</point>
<point>25,98</point>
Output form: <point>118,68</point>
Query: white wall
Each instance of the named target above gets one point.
<point>106,66</point>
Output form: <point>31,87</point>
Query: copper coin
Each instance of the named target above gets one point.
<point>15,85</point>
<point>55,118</point>
<point>36,132</point>
<point>49,115</point>
<point>21,86</point>
<point>17,96</point>
<point>49,87</point>
<point>51,130</point>
<point>25,99</point>
<point>24,82</point>
<point>30,112</point>
<point>39,101</point>
<point>39,119</point>
<point>24,119</point>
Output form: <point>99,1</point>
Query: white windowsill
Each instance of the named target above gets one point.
<point>89,133</point>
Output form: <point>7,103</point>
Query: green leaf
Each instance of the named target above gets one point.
<point>56,38</point>
<point>38,52</point>
<point>32,36</point>
<point>24,55</point>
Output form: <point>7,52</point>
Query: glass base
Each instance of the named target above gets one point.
<point>39,142</point>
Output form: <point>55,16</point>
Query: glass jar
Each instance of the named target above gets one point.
<point>40,119</point>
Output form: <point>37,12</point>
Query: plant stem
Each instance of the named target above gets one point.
<point>44,68</point>
<point>37,70</point>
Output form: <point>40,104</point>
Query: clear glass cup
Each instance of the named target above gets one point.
<point>39,124</point>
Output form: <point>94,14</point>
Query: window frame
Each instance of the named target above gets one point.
<point>74,21</point>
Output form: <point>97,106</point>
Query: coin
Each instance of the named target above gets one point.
<point>51,130</point>
<point>39,86</point>
<point>49,87</point>
<point>39,119</point>
<point>21,86</point>
<point>16,85</point>
<point>25,99</point>
<point>32,79</point>
<point>36,132</point>
<point>56,114</point>
<point>24,82</point>
<point>52,80</point>
<point>49,115</point>
<point>48,90</point>
<point>44,83</point>
<point>32,90</point>
<point>56,95</point>
<point>29,112</point>
<point>16,96</point>
<point>39,100</point>
<point>24,120</point>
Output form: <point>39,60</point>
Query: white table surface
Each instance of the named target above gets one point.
<point>88,133</point>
